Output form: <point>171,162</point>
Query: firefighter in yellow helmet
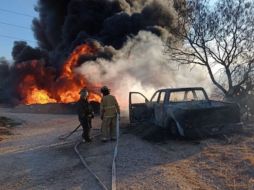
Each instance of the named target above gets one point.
<point>109,109</point>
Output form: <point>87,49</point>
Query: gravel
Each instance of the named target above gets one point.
<point>32,157</point>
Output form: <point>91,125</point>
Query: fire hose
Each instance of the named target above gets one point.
<point>86,165</point>
<point>115,154</point>
<point>66,136</point>
<point>113,186</point>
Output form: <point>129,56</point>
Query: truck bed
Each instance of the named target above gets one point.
<point>207,117</point>
<point>199,104</point>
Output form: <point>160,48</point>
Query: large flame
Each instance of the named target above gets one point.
<point>39,96</point>
<point>40,86</point>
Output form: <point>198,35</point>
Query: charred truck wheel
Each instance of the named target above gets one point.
<point>173,128</point>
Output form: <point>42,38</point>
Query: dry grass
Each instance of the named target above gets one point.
<point>250,159</point>
<point>228,166</point>
<point>220,164</point>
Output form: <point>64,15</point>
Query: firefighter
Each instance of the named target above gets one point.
<point>109,109</point>
<point>85,114</point>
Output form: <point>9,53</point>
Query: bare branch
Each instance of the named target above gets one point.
<point>223,36</point>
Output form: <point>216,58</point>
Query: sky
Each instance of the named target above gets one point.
<point>15,24</point>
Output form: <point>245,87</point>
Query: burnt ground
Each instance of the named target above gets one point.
<point>6,125</point>
<point>32,157</point>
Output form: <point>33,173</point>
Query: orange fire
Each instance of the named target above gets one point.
<point>40,85</point>
<point>40,96</point>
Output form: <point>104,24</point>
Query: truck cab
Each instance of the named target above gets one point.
<point>182,110</point>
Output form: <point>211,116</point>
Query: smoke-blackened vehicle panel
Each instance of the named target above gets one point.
<point>185,112</point>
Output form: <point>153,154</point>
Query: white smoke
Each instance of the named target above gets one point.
<point>142,66</point>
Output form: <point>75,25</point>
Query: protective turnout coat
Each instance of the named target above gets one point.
<point>109,107</point>
<point>85,110</point>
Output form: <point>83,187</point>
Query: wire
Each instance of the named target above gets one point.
<point>15,38</point>
<point>17,13</point>
<point>14,25</point>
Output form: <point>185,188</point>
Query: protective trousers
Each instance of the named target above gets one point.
<point>108,128</point>
<point>86,125</point>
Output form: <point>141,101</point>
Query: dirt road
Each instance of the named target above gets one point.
<point>34,158</point>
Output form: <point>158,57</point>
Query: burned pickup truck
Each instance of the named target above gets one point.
<point>185,112</point>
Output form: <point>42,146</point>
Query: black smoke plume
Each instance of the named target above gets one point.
<point>107,24</point>
<point>64,25</point>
